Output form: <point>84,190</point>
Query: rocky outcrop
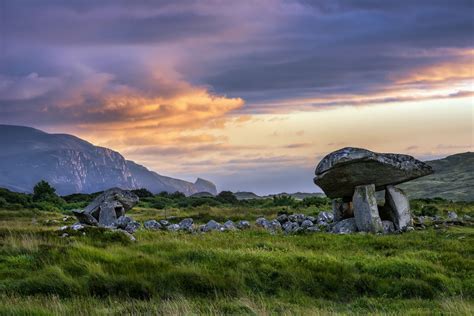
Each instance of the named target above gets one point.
<point>73,165</point>
<point>351,176</point>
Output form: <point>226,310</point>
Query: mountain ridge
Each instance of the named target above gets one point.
<point>73,165</point>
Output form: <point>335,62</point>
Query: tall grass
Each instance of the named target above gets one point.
<point>247,272</point>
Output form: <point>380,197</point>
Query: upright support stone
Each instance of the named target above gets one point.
<point>399,207</point>
<point>341,210</point>
<point>366,212</point>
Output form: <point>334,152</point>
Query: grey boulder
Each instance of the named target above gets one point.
<point>186,224</point>
<point>211,225</point>
<point>341,171</point>
<point>243,224</point>
<point>132,227</point>
<point>152,225</point>
<point>346,226</point>
<point>307,223</point>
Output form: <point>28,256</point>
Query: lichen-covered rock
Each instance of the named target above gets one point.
<point>307,223</point>
<point>173,227</point>
<point>290,227</point>
<point>398,207</point>
<point>346,226</point>
<point>186,224</point>
<point>229,225</point>
<point>122,221</point>
<point>152,225</point>
<point>261,222</point>
<point>243,224</point>
<point>366,212</point>
<point>132,227</point>
<point>325,217</point>
<point>341,171</point>
<point>211,225</point>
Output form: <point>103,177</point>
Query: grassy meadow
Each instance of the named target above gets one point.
<point>250,272</point>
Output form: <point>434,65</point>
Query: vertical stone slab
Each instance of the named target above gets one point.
<point>107,215</point>
<point>399,207</point>
<point>366,212</point>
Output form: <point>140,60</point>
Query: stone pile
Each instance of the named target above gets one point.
<point>108,211</point>
<point>351,176</point>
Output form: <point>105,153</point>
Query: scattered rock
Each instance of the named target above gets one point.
<point>307,223</point>
<point>211,225</point>
<point>64,235</point>
<point>366,213</point>
<point>313,229</point>
<point>229,225</point>
<point>282,218</point>
<point>261,222</point>
<point>452,215</point>
<point>325,217</point>
<point>164,222</point>
<point>243,225</point>
<point>132,227</point>
<point>77,226</point>
<point>186,224</point>
<point>388,227</point>
<point>152,225</point>
<point>122,221</point>
<point>173,227</point>
<point>127,234</point>
<point>291,227</point>
<point>346,226</point>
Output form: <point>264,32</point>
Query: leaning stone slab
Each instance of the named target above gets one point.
<point>399,207</point>
<point>341,171</point>
<point>366,213</point>
<point>85,218</point>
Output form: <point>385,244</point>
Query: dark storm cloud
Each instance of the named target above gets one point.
<point>348,46</point>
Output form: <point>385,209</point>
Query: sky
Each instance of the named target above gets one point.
<point>248,94</point>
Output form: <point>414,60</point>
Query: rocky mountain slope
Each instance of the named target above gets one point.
<point>453,179</point>
<point>72,165</point>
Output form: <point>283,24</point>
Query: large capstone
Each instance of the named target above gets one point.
<point>366,212</point>
<point>105,209</point>
<point>399,207</point>
<point>341,171</point>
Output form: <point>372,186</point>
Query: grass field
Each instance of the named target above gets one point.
<point>247,272</point>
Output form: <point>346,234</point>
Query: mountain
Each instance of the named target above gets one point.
<point>72,165</point>
<point>453,179</point>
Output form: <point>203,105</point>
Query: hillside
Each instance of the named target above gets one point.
<point>453,179</point>
<point>73,165</point>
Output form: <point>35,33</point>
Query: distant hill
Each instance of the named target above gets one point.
<point>72,165</point>
<point>246,195</point>
<point>453,179</point>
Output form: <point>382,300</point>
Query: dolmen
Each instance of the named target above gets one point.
<point>108,209</point>
<point>351,176</point>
